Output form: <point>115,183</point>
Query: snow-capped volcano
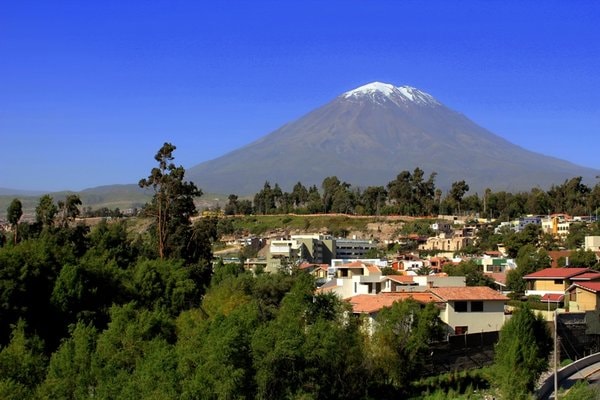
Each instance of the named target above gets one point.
<point>368,135</point>
<point>378,92</point>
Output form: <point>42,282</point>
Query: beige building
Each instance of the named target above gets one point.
<point>464,310</point>
<point>592,243</point>
<point>446,242</point>
<point>471,309</point>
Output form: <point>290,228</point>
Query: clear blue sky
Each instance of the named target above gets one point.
<point>89,90</point>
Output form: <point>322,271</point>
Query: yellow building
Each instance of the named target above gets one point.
<point>556,280</point>
<point>584,296</point>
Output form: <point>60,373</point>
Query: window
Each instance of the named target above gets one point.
<point>460,306</point>
<point>477,306</point>
<point>461,330</point>
<point>558,281</point>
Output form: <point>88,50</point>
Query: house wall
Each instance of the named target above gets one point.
<point>489,320</point>
<point>586,301</point>
<point>592,243</point>
<point>440,281</point>
<point>550,286</point>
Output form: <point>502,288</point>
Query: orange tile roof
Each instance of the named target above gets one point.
<point>557,273</point>
<point>370,303</point>
<point>373,268</point>
<point>468,293</point>
<point>354,264</point>
<point>401,278</point>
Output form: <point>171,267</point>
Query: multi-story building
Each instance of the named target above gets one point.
<point>352,248</point>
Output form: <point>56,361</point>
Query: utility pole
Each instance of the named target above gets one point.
<point>555,356</point>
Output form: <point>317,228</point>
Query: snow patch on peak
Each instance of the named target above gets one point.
<point>379,91</point>
<point>370,88</point>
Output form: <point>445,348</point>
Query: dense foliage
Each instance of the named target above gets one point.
<point>412,194</point>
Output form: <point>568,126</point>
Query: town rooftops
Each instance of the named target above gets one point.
<point>557,273</point>
<point>483,293</point>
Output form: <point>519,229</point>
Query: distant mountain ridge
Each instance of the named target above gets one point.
<point>367,135</point>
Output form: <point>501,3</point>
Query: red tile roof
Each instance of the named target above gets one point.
<point>591,286</point>
<point>587,276</point>
<point>552,297</point>
<point>493,253</point>
<point>369,303</point>
<point>498,277</point>
<point>468,293</point>
<point>557,273</point>
<point>306,265</point>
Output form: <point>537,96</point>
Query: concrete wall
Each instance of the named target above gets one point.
<point>490,320</point>
<point>548,386</point>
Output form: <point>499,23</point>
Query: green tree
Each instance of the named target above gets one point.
<point>456,193</point>
<point>162,284</point>
<point>529,259</point>
<point>373,199</point>
<point>264,200</point>
<point>231,208</point>
<point>514,241</point>
<point>521,354</point>
<point>401,340</point>
<point>308,351</point>
<point>14,214</point>
<point>172,204</point>
<point>472,272</point>
<point>401,193</point>
<point>336,196</point>
<point>22,363</point>
<point>135,357</point>
<point>69,209</point>
<point>86,290</point>
<point>314,203</point>
<point>70,372</point>
<point>214,359</point>
<point>45,211</point>
<point>576,236</point>
<point>299,195</point>
<point>580,258</point>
